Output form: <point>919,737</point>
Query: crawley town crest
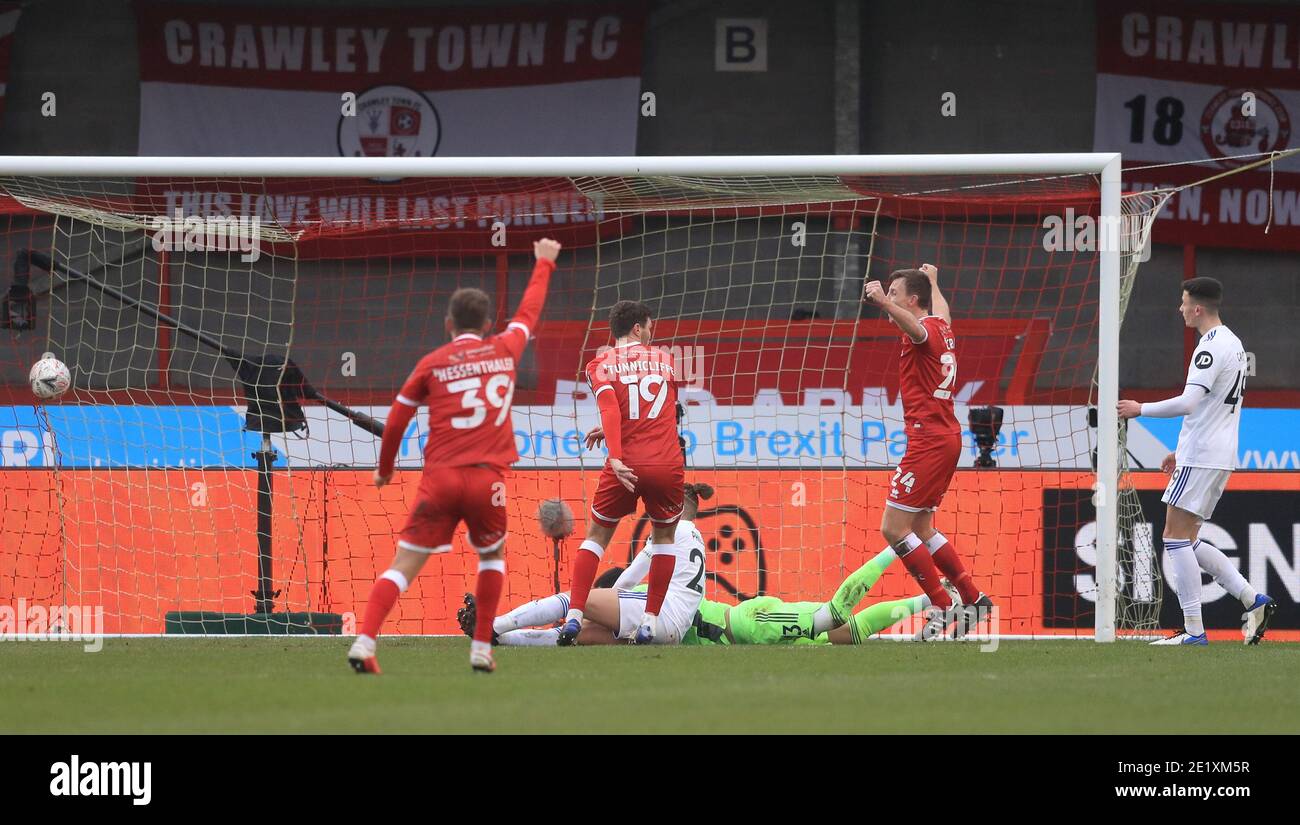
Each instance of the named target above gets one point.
<point>391,121</point>
<point>1226,130</point>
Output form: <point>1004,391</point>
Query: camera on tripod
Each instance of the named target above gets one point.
<point>985,424</point>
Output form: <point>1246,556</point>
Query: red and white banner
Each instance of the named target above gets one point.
<point>515,80</point>
<point>1181,82</point>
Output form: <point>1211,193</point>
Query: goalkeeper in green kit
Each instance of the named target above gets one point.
<point>765,620</point>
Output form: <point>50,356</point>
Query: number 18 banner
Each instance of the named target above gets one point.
<point>1180,82</point>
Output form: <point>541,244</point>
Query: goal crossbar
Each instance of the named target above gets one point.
<point>1045,163</point>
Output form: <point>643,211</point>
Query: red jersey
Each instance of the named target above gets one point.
<point>644,382</point>
<point>928,375</point>
<point>468,385</point>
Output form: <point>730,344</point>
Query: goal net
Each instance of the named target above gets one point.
<point>229,334</point>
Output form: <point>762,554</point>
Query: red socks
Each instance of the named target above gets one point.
<point>584,573</point>
<point>922,567</point>
<point>487,593</point>
<point>662,565</point>
<point>382,598</point>
<point>945,558</point>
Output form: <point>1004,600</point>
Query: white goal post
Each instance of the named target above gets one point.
<point>1105,168</point>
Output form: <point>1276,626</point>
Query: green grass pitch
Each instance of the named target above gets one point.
<point>296,685</point>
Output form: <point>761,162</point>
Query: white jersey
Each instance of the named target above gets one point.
<point>1209,434</point>
<point>687,586</point>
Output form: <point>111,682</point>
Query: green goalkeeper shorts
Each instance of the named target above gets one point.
<point>767,620</point>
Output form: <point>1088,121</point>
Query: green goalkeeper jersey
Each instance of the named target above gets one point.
<point>709,624</point>
<point>764,620</point>
<point>767,620</point>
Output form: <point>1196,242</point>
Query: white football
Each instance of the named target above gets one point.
<point>49,378</point>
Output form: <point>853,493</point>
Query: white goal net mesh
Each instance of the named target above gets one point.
<point>194,471</point>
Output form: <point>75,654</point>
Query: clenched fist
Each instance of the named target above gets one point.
<point>546,249</point>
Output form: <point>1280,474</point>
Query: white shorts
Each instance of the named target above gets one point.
<point>1196,489</point>
<point>672,625</point>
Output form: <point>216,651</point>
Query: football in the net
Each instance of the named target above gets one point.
<point>49,378</point>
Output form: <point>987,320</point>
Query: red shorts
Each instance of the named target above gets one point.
<point>660,488</point>
<point>924,473</point>
<point>449,495</point>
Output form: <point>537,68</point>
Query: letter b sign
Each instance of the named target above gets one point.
<point>741,45</point>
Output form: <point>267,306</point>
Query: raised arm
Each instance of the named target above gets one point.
<point>907,322</point>
<point>938,304</point>
<point>530,307</point>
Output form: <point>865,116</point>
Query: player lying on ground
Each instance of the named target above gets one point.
<point>1202,463</point>
<point>765,620</point>
<point>467,385</point>
<point>635,387</point>
<point>928,378</point>
<point>616,613</point>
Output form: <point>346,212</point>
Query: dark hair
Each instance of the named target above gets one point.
<point>914,283</point>
<point>692,493</point>
<point>607,578</point>
<point>1207,292</point>
<point>626,314</point>
<point>469,309</point>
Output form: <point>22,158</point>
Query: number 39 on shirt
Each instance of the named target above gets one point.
<point>498,392</point>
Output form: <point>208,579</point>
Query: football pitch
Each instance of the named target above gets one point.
<point>295,685</point>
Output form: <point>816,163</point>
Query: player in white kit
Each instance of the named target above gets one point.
<point>684,591</point>
<point>1205,458</point>
<point>614,615</point>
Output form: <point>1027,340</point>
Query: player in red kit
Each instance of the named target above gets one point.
<point>468,385</point>
<point>928,377</point>
<point>635,386</point>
